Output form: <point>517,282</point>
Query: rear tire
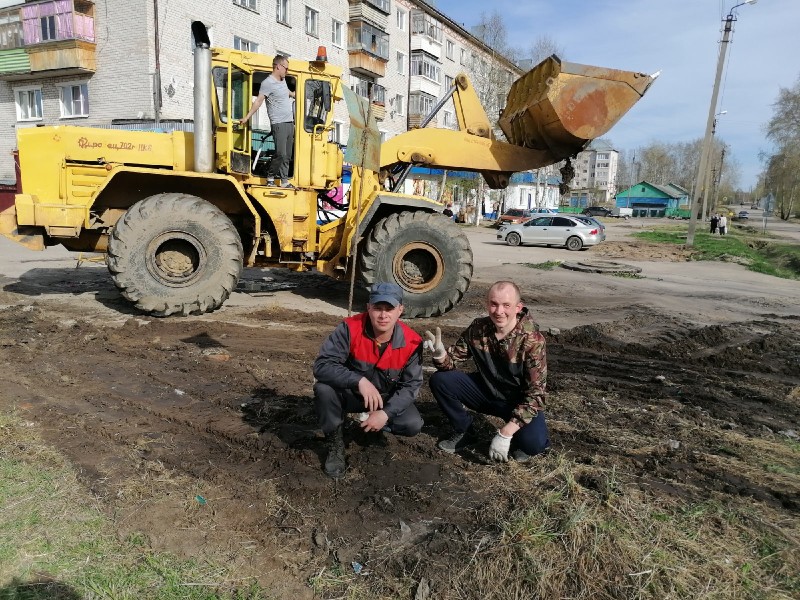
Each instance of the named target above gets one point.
<point>426,254</point>
<point>175,253</point>
<point>513,239</point>
<point>574,243</point>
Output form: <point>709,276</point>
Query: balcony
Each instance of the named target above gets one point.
<point>375,91</point>
<point>47,38</point>
<point>368,48</point>
<point>374,12</point>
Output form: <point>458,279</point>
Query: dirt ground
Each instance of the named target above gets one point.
<point>200,433</point>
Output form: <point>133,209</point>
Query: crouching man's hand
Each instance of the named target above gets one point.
<point>371,395</point>
<point>433,343</point>
<point>498,450</point>
<point>375,422</point>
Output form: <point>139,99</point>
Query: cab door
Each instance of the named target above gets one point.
<point>233,97</point>
<point>316,128</point>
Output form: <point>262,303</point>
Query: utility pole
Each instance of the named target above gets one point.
<point>712,109</point>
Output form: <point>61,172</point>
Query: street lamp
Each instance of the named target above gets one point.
<point>706,150</point>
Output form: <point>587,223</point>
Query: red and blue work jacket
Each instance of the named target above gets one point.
<point>351,352</point>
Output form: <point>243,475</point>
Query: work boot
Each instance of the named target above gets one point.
<point>459,440</point>
<point>335,464</point>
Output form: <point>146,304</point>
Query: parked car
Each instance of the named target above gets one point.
<point>515,215</point>
<point>520,215</point>
<point>596,211</point>
<point>574,232</point>
<point>743,215</point>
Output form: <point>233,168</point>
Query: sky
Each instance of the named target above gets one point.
<point>680,38</point>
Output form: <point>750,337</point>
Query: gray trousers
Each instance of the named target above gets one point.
<point>332,404</point>
<point>283,134</point>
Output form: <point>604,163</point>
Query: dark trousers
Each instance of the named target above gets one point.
<point>332,404</point>
<point>455,391</point>
<point>283,134</point>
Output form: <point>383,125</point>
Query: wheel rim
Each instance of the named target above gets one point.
<point>176,258</point>
<point>574,243</point>
<point>513,239</point>
<point>418,267</point>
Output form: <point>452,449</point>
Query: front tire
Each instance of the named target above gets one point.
<point>426,254</point>
<point>175,253</point>
<point>513,239</point>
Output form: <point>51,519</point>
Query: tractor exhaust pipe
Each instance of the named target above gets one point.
<point>203,125</point>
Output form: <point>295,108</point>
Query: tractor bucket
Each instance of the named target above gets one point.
<point>558,107</point>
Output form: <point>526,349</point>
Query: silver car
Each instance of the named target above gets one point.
<point>573,232</point>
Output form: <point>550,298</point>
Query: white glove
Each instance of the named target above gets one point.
<point>499,448</point>
<point>433,343</point>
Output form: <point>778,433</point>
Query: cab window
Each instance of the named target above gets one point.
<point>317,103</point>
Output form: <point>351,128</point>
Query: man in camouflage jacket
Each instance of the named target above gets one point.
<point>508,352</point>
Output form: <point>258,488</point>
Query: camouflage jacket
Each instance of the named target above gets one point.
<point>513,369</point>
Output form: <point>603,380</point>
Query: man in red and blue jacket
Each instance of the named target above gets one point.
<point>371,363</point>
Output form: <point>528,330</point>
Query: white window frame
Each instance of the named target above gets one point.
<point>248,4</point>
<point>449,49</point>
<point>37,100</point>
<point>282,9</point>
<point>337,32</point>
<point>448,82</point>
<point>240,43</point>
<point>48,29</point>
<point>401,18</point>
<point>312,21</point>
<point>399,105</point>
<point>449,119</point>
<point>337,133</point>
<point>401,62</point>
<point>70,85</point>
<point>464,57</point>
<point>209,30</point>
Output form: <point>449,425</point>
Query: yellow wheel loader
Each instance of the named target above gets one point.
<point>180,214</point>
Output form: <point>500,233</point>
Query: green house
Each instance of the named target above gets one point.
<point>651,200</point>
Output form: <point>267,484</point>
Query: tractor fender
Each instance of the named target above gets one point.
<point>127,185</point>
<point>387,203</point>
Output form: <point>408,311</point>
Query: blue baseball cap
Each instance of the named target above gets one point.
<point>391,293</point>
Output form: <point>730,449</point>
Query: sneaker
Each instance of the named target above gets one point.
<point>459,440</point>
<point>520,456</point>
<point>270,181</point>
<point>286,184</point>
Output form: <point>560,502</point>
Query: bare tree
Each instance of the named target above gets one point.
<point>542,47</point>
<point>782,173</point>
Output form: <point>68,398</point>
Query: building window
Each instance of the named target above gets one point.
<point>244,45</point>
<point>464,56</point>
<point>312,22</point>
<point>365,37</point>
<point>602,156</point>
<point>402,18</point>
<point>336,33</point>
<point>401,63</point>
<point>449,121</point>
<point>48,27</point>
<point>400,104</point>
<point>336,133</point>
<point>367,88</point>
<point>282,11</point>
<point>74,100</point>
<point>384,136</point>
<point>421,103</point>
<point>381,5</point>
<point>449,49</point>
<point>426,65</point>
<point>424,24</point>
<point>448,81</point>
<point>251,4</point>
<point>29,103</point>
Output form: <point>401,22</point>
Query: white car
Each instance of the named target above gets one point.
<point>572,232</point>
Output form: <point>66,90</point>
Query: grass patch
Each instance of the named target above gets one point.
<point>55,543</point>
<point>544,266</point>
<point>568,530</point>
<point>777,259</point>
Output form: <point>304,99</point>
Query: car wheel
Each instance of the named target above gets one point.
<point>574,243</point>
<point>513,239</point>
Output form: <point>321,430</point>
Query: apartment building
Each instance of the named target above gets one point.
<point>595,174</point>
<point>128,63</point>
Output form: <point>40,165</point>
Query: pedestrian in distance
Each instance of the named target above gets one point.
<point>509,355</point>
<point>370,364</point>
<point>280,110</point>
<point>723,224</point>
<point>714,223</point>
